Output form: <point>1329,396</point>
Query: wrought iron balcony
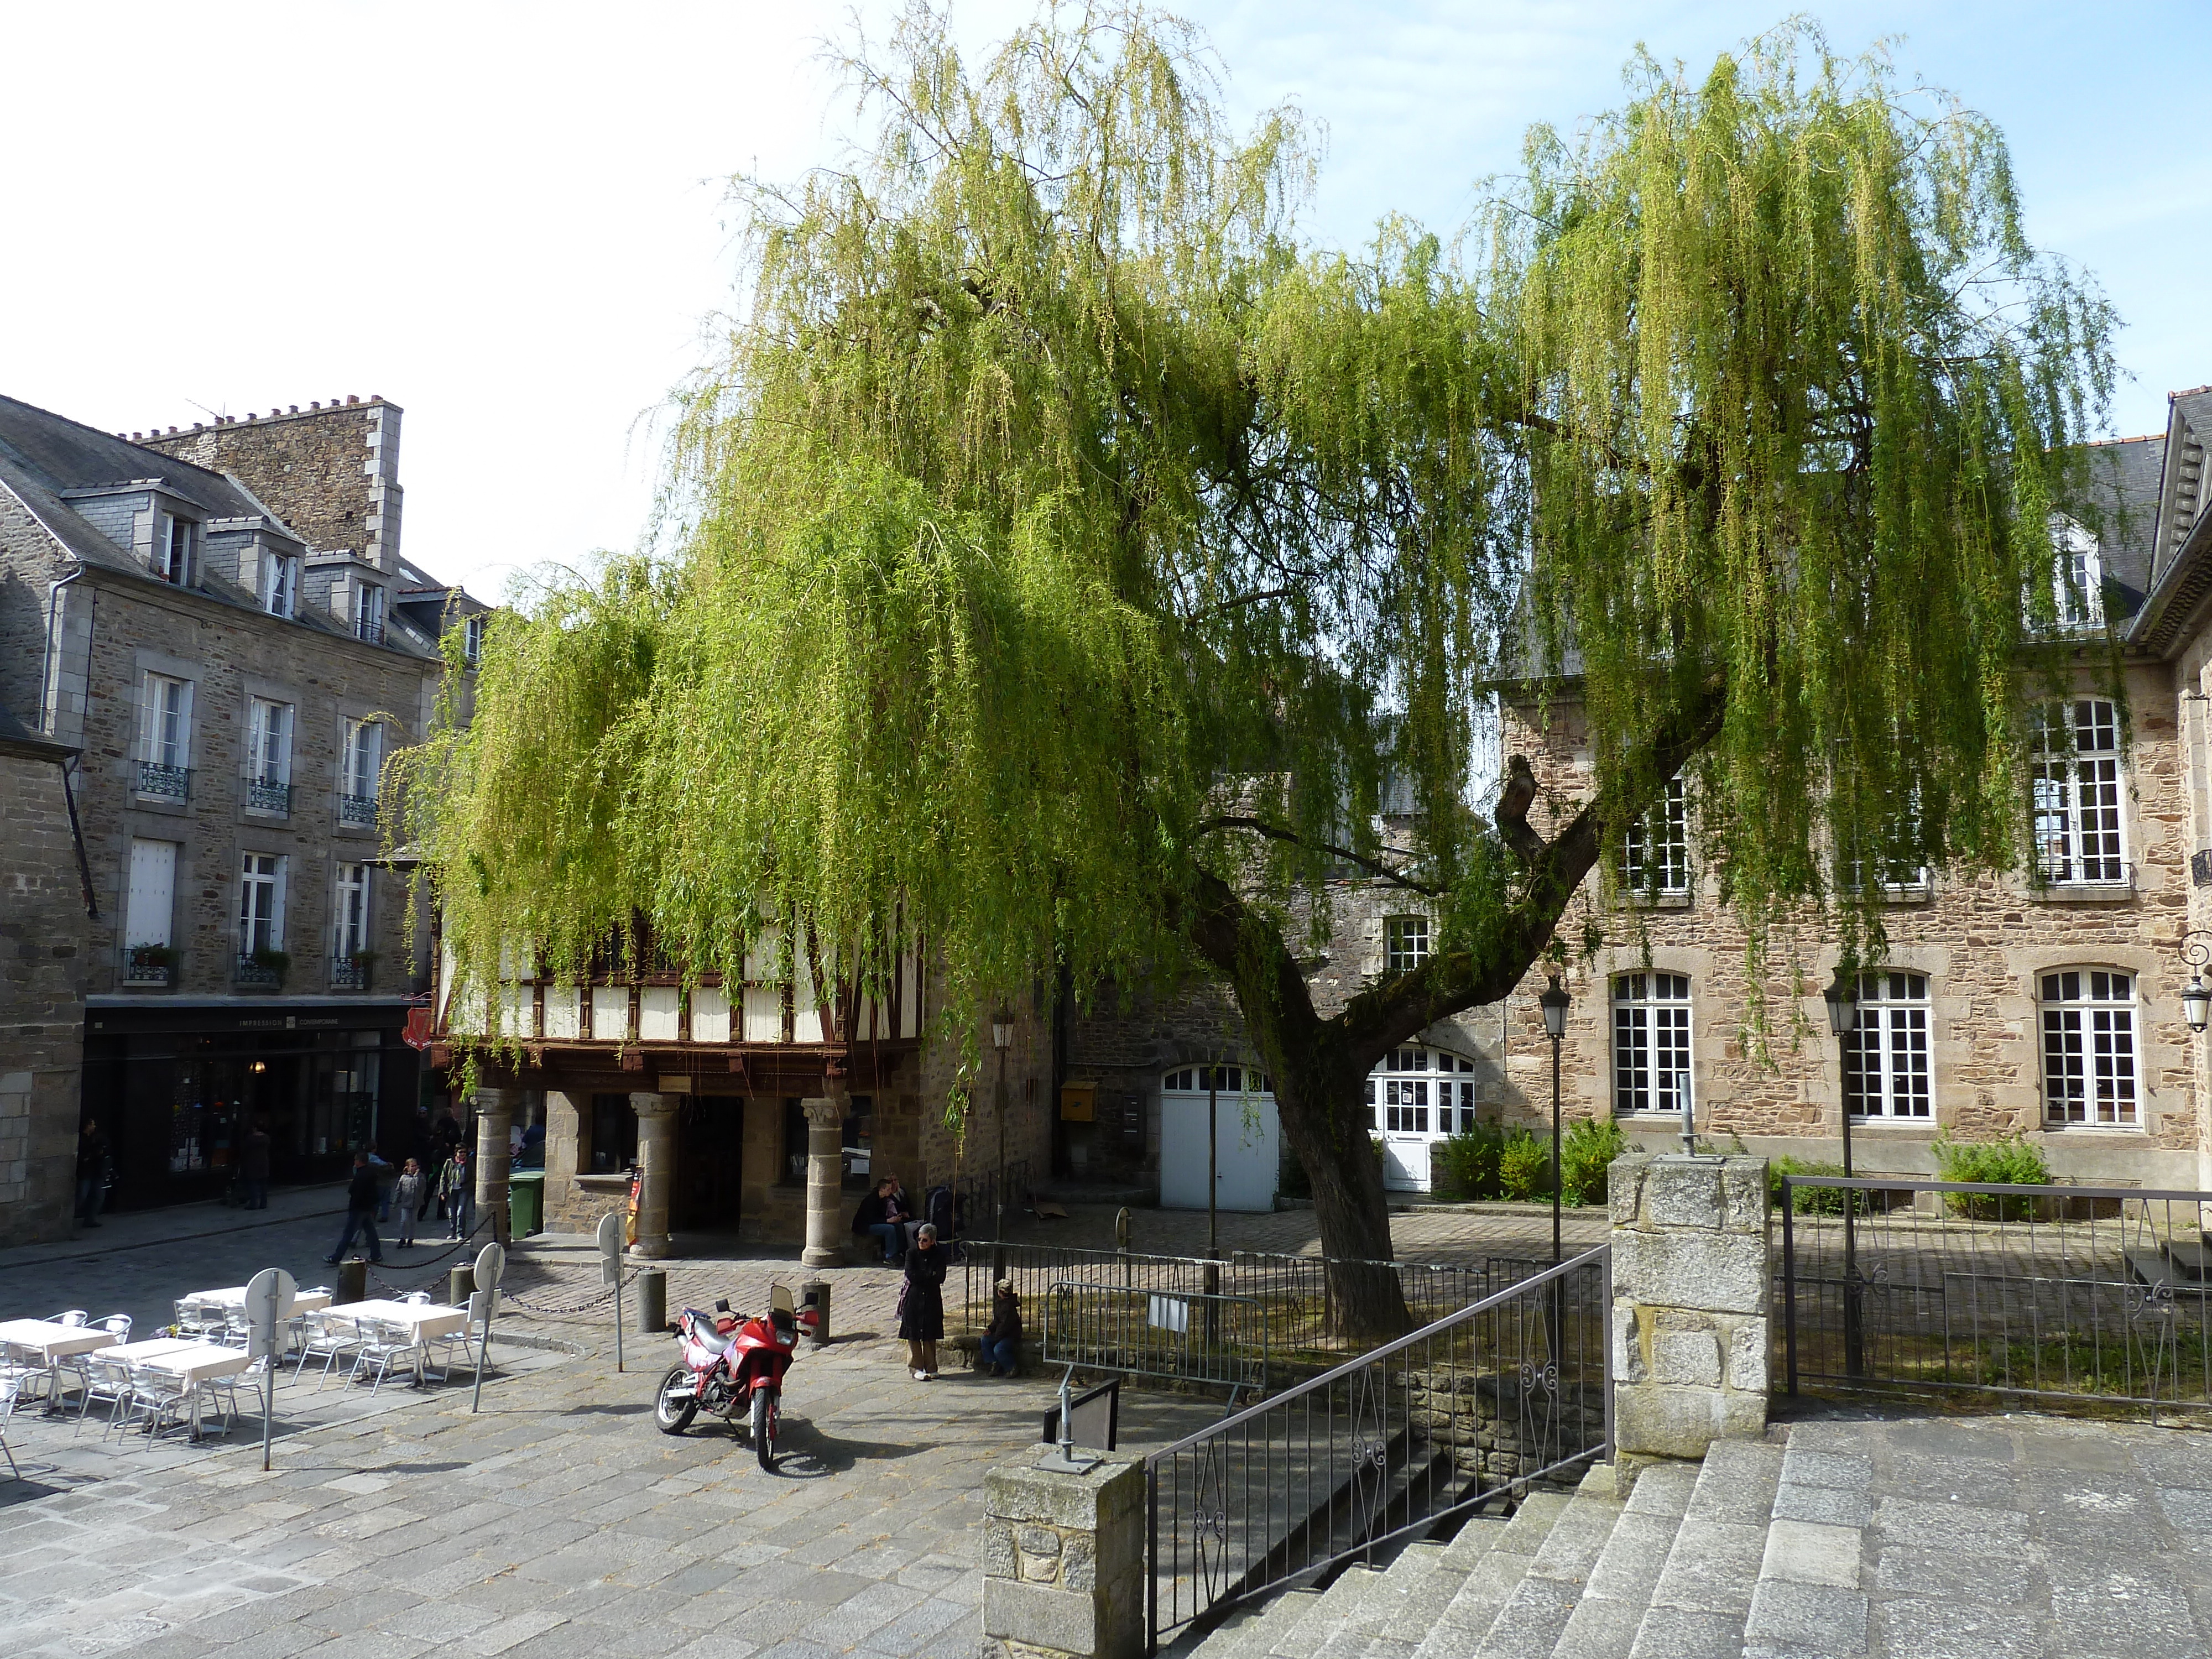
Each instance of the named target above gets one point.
<point>149,964</point>
<point>165,783</point>
<point>250,972</point>
<point>372,632</point>
<point>357,809</point>
<point>268,795</point>
<point>349,973</point>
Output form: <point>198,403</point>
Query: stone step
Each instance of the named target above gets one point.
<point>1703,1598</point>
<point>1492,1577</point>
<point>1621,1585</point>
<point>1416,1570</point>
<point>1529,1623</point>
<point>1327,1613</point>
<point>1433,1574</point>
<point>1808,1595</point>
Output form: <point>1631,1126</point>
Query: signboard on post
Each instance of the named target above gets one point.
<point>268,1297</point>
<point>491,1262</point>
<point>610,1252</point>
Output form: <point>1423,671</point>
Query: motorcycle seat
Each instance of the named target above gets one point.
<point>704,1333</point>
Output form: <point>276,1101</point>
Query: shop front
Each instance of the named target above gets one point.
<point>177,1084</point>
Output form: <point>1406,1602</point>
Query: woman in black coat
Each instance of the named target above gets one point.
<point>922,1303</point>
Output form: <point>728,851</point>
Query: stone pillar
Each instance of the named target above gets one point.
<point>1691,1287</point>
<point>825,1178</point>
<point>564,1128</point>
<point>656,1172</point>
<point>1064,1559</point>
<point>496,1110</point>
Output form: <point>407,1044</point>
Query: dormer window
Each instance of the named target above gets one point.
<point>280,583</point>
<point>2078,594</point>
<point>472,638</point>
<point>369,612</point>
<point>173,549</point>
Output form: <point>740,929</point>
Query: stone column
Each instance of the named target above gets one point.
<point>1064,1559</point>
<point>496,1110</point>
<point>564,1128</point>
<point>1691,1287</point>
<point>825,1177</point>
<point>656,1171</point>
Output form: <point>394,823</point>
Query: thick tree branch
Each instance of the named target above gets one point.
<point>1277,832</point>
<point>1512,812</point>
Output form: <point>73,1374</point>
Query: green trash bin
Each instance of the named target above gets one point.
<point>525,1201</point>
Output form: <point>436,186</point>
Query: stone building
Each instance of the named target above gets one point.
<point>727,1103</point>
<point>44,923</point>
<point>2045,1003</point>
<point>235,674</point>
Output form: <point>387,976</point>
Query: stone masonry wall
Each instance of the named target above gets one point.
<point>330,473</point>
<point>42,973</point>
<point>1982,942</point>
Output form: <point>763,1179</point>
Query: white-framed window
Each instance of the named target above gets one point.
<point>2079,582</point>
<point>269,740</point>
<point>2089,1047</point>
<point>1898,870</point>
<point>2078,836</point>
<point>362,762</point>
<point>1655,854</point>
<point>472,632</point>
<point>1886,1055</point>
<point>280,583</point>
<point>1415,1090</point>
<point>260,902</point>
<point>352,911</point>
<point>173,549</point>
<point>167,737</point>
<point>369,612</point>
<point>1405,942</point>
<point>1651,1043</point>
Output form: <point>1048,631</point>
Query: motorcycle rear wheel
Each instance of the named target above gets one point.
<point>764,1424</point>
<point>673,1416</point>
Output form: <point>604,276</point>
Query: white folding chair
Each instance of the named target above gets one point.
<point>21,1383</point>
<point>68,1316</point>
<point>464,1339</point>
<point>382,1347</point>
<point>326,1336</point>
<point>160,1399</point>
<point>108,1379</point>
<point>237,1330</point>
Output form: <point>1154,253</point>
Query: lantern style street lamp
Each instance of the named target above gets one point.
<point>2196,996</point>
<point>1842,999</point>
<point>1554,1003</point>
<point>1002,1039</point>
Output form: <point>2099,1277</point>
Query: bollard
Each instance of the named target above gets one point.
<point>353,1280</point>
<point>814,1294</point>
<point>651,1303</point>
<point>460,1285</point>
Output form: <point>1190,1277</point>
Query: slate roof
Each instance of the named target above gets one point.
<point>2121,509</point>
<point>17,739</point>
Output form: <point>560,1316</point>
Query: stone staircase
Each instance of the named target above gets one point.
<point>1748,1556</point>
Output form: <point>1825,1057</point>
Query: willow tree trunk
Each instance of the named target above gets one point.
<point>1324,1117</point>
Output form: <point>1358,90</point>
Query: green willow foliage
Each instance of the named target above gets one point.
<point>1062,531</point>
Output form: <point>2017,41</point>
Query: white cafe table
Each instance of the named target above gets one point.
<point>137,1353</point>
<point>234,1297</point>
<point>200,1361</point>
<point>50,1344</point>
<point>424,1321</point>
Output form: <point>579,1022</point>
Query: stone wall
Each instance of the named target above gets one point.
<point>1064,1559</point>
<point>42,971</point>
<point>1982,942</point>
<point>330,473</point>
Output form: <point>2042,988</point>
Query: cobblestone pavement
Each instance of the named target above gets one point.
<point>2015,1537</point>
<point>1425,1233</point>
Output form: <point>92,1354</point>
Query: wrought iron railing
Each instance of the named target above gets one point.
<point>268,795</point>
<point>1183,1337</point>
<point>148,964</point>
<point>165,783</point>
<point>348,974</point>
<point>1397,1444</point>
<point>2064,1295</point>
<point>357,809</point>
<point>368,630</point>
<point>248,971</point>
<point>1297,1296</point>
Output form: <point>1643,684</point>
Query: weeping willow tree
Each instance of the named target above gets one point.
<point>1069,552</point>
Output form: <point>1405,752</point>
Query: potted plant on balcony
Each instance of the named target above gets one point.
<point>271,962</point>
<point>152,964</point>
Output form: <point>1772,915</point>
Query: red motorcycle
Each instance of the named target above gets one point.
<point>733,1368</point>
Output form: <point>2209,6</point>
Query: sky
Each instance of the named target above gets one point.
<point>511,220</point>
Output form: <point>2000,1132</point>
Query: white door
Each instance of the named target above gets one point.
<point>1416,1097</point>
<point>153,892</point>
<point>1247,1146</point>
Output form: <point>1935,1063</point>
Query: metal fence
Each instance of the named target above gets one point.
<point>1297,1302</point>
<point>1221,1341</point>
<point>2062,1295</point>
<point>1387,1447</point>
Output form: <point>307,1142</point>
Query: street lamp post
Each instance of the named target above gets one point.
<point>1842,997</point>
<point>1002,1039</point>
<point>1554,1003</point>
<point>2196,996</point>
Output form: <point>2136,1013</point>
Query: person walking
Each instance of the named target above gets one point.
<point>386,1178</point>
<point>253,1166</point>
<point>922,1303</point>
<point>454,1182</point>
<point>1001,1352</point>
<point>92,1172</point>
<point>407,1195</point>
<point>361,1210</point>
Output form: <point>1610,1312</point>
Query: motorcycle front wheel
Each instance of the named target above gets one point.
<point>764,1416</point>
<point>672,1413</point>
